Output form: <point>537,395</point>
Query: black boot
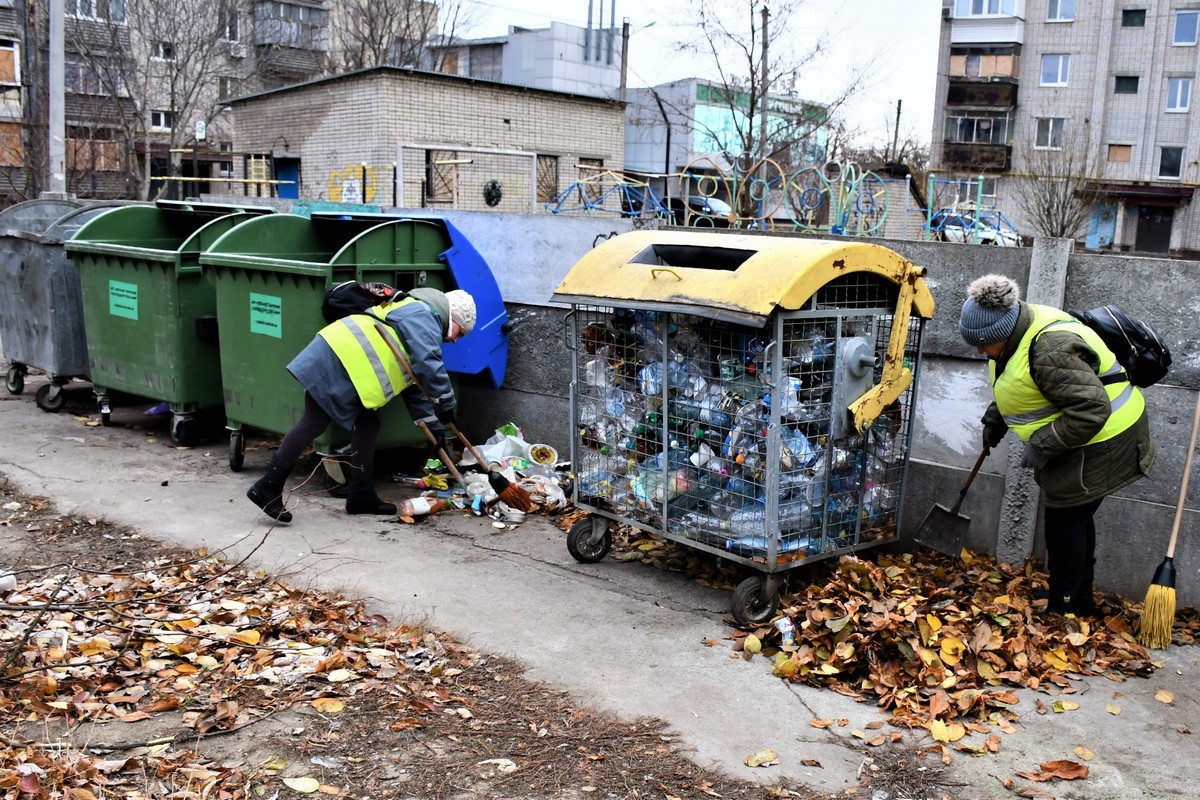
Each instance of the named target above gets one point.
<point>362,499</point>
<point>267,491</point>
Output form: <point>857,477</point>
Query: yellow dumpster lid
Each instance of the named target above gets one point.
<point>739,278</point>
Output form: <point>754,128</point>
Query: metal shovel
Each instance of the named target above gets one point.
<point>944,528</point>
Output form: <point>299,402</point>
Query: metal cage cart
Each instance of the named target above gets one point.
<point>750,396</point>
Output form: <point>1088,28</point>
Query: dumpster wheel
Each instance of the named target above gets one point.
<point>50,397</point>
<point>237,451</point>
<point>755,600</point>
<point>589,539</point>
<point>16,379</point>
<point>183,430</point>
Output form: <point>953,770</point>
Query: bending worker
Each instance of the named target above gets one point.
<point>1084,425</point>
<point>348,371</point>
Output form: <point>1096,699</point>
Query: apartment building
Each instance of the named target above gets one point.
<point>1093,94</point>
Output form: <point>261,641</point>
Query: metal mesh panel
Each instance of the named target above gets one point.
<point>684,430</point>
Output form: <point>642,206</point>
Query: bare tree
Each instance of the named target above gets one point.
<point>369,33</point>
<point>144,73</point>
<point>1060,184</point>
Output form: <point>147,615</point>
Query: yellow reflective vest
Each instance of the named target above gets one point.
<point>1022,404</point>
<point>357,342</point>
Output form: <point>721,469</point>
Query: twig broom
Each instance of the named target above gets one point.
<point>1158,612</point>
<point>506,491</point>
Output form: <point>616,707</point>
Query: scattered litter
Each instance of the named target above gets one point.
<point>158,410</point>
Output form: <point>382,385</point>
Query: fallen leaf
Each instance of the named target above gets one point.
<point>763,758</point>
<point>1064,705</point>
<point>328,705</point>
<point>1113,709</point>
<point>1163,696</point>
<point>811,762</point>
<point>752,644</point>
<point>1183,729</point>
<point>1084,753</point>
<point>302,785</point>
<point>820,723</point>
<point>1063,769</point>
<point>1033,793</point>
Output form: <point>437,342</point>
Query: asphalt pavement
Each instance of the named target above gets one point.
<point>626,638</point>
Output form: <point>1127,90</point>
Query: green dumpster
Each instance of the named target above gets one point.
<point>149,313</point>
<point>271,275</point>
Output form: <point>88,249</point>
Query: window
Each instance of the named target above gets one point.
<point>972,66</point>
<point>1050,133</point>
<point>1060,11</point>
<point>230,31</point>
<point>1056,68</point>
<point>441,171</point>
<point>163,51</point>
<point>1126,84</point>
<point>80,77</point>
<point>977,127</point>
<point>1122,153</point>
<point>12,151</point>
<point>547,178</point>
<point>1133,18</point>
<point>112,10</point>
<point>1179,94</point>
<point>227,87</point>
<point>981,8</point>
<point>590,170</point>
<point>1170,163</point>
<point>10,70</point>
<point>1185,28</point>
<point>161,120</point>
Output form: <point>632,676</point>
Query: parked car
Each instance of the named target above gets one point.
<point>701,212</point>
<point>970,226</point>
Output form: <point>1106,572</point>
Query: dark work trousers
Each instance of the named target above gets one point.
<point>1071,551</point>
<point>314,421</point>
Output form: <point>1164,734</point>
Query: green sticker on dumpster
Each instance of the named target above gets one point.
<point>266,315</point>
<point>123,299</point>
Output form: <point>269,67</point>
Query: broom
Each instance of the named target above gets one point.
<point>508,492</point>
<point>1158,612</point>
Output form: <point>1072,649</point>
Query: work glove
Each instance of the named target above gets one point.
<point>1030,458</point>
<point>447,417</point>
<point>993,431</point>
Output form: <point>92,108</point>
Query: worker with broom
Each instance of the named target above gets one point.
<point>349,370</point>
<point>1086,434</point>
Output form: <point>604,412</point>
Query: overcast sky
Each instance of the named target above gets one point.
<point>899,36</point>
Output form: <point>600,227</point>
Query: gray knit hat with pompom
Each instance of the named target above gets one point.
<point>990,311</point>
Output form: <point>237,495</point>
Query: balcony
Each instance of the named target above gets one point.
<point>987,30</point>
<point>976,157</point>
<point>992,93</point>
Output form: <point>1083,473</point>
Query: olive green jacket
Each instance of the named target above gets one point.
<point>1075,473</point>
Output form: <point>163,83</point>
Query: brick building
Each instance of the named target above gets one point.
<point>462,143</point>
<point>1102,89</point>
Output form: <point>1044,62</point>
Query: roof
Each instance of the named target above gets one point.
<point>366,71</point>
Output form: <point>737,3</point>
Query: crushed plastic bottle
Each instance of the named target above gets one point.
<point>787,631</point>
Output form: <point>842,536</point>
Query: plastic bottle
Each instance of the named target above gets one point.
<point>422,506</point>
<point>787,631</point>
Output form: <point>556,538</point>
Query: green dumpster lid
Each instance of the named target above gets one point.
<point>741,278</point>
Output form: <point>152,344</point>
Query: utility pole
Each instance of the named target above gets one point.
<point>624,57</point>
<point>765,86</point>
<point>58,128</point>
<point>896,133</point>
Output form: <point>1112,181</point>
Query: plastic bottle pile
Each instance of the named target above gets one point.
<point>674,413</point>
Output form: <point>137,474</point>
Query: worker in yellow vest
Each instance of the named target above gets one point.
<point>349,370</point>
<point>1084,425</point>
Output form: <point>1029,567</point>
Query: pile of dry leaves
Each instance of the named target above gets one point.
<point>937,641</point>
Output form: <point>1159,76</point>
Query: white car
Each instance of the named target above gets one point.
<point>969,227</point>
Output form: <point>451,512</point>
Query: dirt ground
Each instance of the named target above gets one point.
<point>451,724</point>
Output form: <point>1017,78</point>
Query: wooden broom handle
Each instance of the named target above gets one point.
<point>1187,474</point>
<point>408,371</point>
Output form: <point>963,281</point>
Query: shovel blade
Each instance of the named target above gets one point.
<point>943,531</point>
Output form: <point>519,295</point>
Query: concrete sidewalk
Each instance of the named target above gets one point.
<point>624,637</point>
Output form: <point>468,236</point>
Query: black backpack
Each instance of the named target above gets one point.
<point>353,297</point>
<point>1138,347</point>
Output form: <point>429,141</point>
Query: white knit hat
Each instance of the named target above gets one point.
<point>462,309</point>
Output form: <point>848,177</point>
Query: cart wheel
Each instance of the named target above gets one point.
<point>749,607</point>
<point>183,431</point>
<point>50,397</point>
<point>589,540</point>
<point>16,379</point>
<point>237,451</point>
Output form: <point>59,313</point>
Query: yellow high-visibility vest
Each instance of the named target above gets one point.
<point>1024,407</point>
<point>373,369</point>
